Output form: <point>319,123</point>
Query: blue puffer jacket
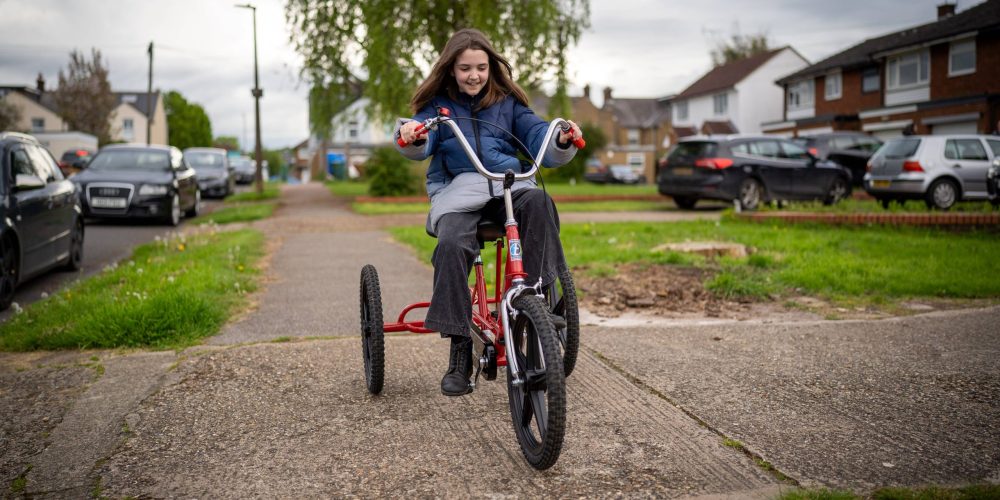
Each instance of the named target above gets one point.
<point>496,149</point>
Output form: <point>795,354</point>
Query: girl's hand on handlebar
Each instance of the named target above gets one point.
<point>408,133</point>
<point>572,135</point>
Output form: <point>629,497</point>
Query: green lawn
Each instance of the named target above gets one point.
<point>348,188</point>
<point>864,206</point>
<point>850,265</point>
<point>271,191</point>
<point>974,492</point>
<point>169,294</point>
<point>238,212</point>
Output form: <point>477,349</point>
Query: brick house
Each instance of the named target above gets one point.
<point>936,78</point>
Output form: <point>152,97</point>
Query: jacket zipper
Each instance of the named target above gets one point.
<point>475,132</point>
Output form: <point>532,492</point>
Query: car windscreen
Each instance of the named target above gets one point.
<point>241,164</point>
<point>692,150</point>
<point>900,148</point>
<point>205,160</point>
<point>131,159</point>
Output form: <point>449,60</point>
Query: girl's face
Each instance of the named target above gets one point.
<point>471,70</point>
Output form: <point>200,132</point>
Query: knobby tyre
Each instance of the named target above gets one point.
<point>372,334</point>
<point>561,299</point>
<point>538,406</point>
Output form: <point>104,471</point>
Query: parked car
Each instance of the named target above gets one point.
<point>939,169</point>
<point>595,171</point>
<point>244,169</point>
<point>211,166</point>
<point>849,149</point>
<point>599,173</point>
<point>139,181</point>
<point>41,220</point>
<point>75,160</point>
<point>748,169</point>
<point>993,180</point>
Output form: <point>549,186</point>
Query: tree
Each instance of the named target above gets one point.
<point>385,47</point>
<point>9,115</point>
<point>188,124</point>
<point>84,96</point>
<point>739,47</point>
<point>227,142</point>
<point>596,140</point>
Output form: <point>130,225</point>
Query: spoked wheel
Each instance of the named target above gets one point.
<point>372,335</point>
<point>561,300</point>
<point>8,271</point>
<point>538,405</point>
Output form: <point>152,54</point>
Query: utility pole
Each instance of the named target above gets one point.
<point>257,94</point>
<point>149,99</point>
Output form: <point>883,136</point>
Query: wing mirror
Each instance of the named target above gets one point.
<point>28,182</point>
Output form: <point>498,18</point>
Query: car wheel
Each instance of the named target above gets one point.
<point>196,208</point>
<point>838,191</point>
<point>884,202</point>
<point>75,260</point>
<point>750,194</point>
<point>174,217</point>
<point>9,268</point>
<point>942,194</point>
<point>685,202</point>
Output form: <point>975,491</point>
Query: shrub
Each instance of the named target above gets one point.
<point>389,173</point>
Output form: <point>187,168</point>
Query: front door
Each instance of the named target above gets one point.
<point>30,214</point>
<point>61,203</point>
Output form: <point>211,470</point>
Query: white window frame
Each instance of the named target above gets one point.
<point>352,130</point>
<point>800,95</point>
<point>38,124</point>
<point>682,110</point>
<point>128,129</point>
<point>828,86</point>
<point>892,65</point>
<point>968,45</point>
<point>720,104</point>
<point>636,160</point>
<point>633,136</point>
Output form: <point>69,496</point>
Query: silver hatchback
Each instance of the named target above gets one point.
<point>939,169</point>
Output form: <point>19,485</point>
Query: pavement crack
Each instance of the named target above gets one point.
<point>757,459</point>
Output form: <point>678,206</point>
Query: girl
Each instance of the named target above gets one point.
<point>472,80</point>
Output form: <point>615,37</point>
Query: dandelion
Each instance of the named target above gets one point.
<point>170,279</point>
<point>138,271</point>
<point>16,307</point>
<point>240,267</point>
<point>45,295</point>
<point>180,247</point>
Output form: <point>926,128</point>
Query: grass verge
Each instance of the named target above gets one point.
<point>871,206</point>
<point>852,266</point>
<point>169,294</point>
<point>271,192</point>
<point>975,492</point>
<point>238,212</point>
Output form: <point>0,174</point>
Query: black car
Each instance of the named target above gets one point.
<point>74,160</point>
<point>244,169</point>
<point>749,170</point>
<point>849,149</point>
<point>139,181</point>
<point>215,175</point>
<point>41,220</point>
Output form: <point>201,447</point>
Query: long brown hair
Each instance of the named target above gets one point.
<point>441,81</point>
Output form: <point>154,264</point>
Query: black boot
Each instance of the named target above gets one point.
<point>456,379</point>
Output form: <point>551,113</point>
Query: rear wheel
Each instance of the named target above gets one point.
<point>751,193</point>
<point>538,404</point>
<point>174,216</point>
<point>372,334</point>
<point>560,297</point>
<point>942,194</point>
<point>838,191</point>
<point>685,202</point>
<point>9,268</point>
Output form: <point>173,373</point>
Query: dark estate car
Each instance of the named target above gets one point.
<point>211,166</point>
<point>243,169</point>
<point>126,181</point>
<point>851,150</point>
<point>41,220</point>
<point>74,160</point>
<point>748,169</point>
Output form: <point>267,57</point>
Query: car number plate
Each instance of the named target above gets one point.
<point>683,171</point>
<point>881,184</point>
<point>108,202</point>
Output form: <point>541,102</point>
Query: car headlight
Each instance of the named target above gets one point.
<point>152,189</point>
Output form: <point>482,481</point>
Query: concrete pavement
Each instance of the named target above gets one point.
<point>845,404</point>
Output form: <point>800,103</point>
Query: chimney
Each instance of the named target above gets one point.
<point>607,94</point>
<point>945,10</point>
<point>586,91</point>
<point>40,84</point>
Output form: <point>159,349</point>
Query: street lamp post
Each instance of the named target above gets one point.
<point>257,93</point>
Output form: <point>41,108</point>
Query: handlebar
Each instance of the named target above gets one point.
<point>443,117</point>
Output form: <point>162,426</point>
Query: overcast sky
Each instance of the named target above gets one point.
<point>204,48</point>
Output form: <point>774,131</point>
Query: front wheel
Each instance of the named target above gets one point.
<point>751,192</point>
<point>560,297</point>
<point>174,216</point>
<point>372,333</point>
<point>838,191</point>
<point>538,403</point>
<point>942,194</point>
<point>196,208</point>
<point>75,259</point>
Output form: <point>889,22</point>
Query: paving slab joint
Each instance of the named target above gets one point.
<point>757,458</point>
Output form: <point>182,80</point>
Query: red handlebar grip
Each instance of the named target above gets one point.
<point>420,130</point>
<point>580,143</point>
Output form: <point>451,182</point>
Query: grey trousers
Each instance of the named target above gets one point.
<point>450,311</point>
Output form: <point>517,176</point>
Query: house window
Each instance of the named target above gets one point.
<point>908,70</point>
<point>832,88</point>
<point>128,129</point>
<point>720,103</point>
<point>352,130</point>
<point>633,136</point>
<point>800,95</point>
<point>636,160</point>
<point>38,124</point>
<point>962,58</point>
<point>870,80</point>
<point>682,110</point>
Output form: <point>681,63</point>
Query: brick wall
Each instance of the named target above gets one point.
<point>852,100</point>
<point>986,79</point>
